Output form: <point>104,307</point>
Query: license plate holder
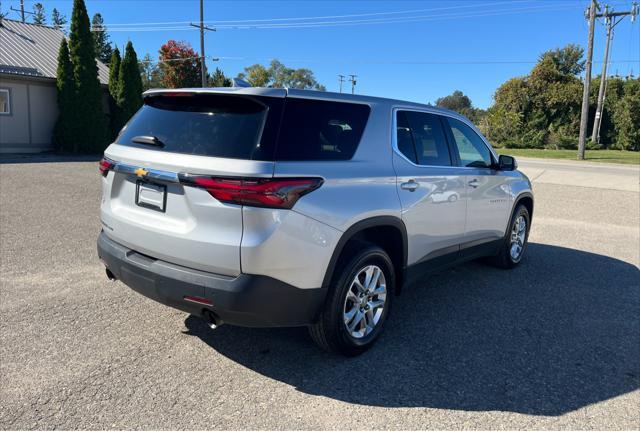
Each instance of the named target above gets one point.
<point>151,195</point>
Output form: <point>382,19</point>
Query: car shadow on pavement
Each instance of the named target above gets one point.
<point>558,333</point>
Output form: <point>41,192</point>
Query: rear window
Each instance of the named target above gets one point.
<point>235,127</point>
<point>250,128</point>
<point>320,130</point>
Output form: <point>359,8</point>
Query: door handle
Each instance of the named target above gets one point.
<point>410,185</point>
<point>474,183</point>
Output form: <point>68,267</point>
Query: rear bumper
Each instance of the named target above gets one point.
<point>246,300</point>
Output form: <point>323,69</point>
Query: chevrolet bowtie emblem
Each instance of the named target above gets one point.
<point>141,172</point>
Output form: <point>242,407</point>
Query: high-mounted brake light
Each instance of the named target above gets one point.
<point>105,165</point>
<point>257,192</point>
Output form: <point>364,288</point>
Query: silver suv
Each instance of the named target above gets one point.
<point>273,207</point>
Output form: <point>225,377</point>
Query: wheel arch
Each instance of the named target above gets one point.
<point>525,198</point>
<point>387,232</point>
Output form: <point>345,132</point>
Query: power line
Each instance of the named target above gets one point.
<point>171,26</point>
<point>389,62</point>
<point>332,16</point>
<point>419,18</point>
<point>392,62</point>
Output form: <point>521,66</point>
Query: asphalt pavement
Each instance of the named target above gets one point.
<point>553,344</point>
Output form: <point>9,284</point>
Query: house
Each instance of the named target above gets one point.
<point>28,97</point>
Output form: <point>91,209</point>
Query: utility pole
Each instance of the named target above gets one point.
<point>203,64</point>
<point>21,10</point>
<point>353,83</point>
<point>341,80</point>
<point>584,115</point>
<point>611,20</point>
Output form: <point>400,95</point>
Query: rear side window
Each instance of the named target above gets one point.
<point>235,127</point>
<point>320,130</point>
<point>421,138</point>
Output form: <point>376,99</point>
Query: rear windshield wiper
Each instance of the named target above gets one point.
<point>147,140</point>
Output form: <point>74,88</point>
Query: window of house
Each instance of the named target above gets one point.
<point>5,102</point>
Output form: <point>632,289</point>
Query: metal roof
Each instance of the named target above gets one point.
<point>32,50</point>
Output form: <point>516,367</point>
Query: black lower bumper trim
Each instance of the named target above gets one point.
<point>246,300</point>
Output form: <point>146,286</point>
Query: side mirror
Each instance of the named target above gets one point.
<point>507,163</point>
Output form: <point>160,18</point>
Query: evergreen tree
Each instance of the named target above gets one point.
<point>150,73</point>
<point>114,75</point>
<point>57,19</point>
<point>38,16</point>
<point>114,72</point>
<point>91,127</point>
<point>218,79</point>
<point>129,98</point>
<point>64,133</point>
<point>101,39</point>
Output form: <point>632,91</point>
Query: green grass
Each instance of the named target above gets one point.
<point>605,156</point>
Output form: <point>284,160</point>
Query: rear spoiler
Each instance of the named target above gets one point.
<point>246,91</point>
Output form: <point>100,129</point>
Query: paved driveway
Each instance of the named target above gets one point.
<point>552,344</point>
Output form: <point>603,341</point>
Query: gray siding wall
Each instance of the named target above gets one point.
<point>34,111</point>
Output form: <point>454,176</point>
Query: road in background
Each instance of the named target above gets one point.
<point>582,174</point>
<point>554,343</point>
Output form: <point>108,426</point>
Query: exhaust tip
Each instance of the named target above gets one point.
<point>212,320</point>
<point>110,275</point>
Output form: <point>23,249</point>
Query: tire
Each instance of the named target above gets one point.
<point>505,258</point>
<point>331,332</point>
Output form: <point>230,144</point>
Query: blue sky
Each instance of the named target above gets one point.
<point>414,50</point>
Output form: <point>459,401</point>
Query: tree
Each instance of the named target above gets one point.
<point>457,101</point>
<point>280,76</point>
<point>114,72</point>
<point>38,16</point>
<point>91,128</point>
<point>568,60</point>
<point>256,75</point>
<point>150,74</point>
<point>101,39</point>
<point>542,109</point>
<point>114,75</point>
<point>218,79</point>
<point>626,117</point>
<point>179,65</point>
<point>64,130</point>
<point>129,98</point>
<point>57,19</point>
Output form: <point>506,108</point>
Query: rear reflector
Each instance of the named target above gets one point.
<point>104,165</point>
<point>197,300</point>
<point>257,192</point>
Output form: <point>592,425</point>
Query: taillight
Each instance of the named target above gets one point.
<point>104,165</point>
<point>257,192</point>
